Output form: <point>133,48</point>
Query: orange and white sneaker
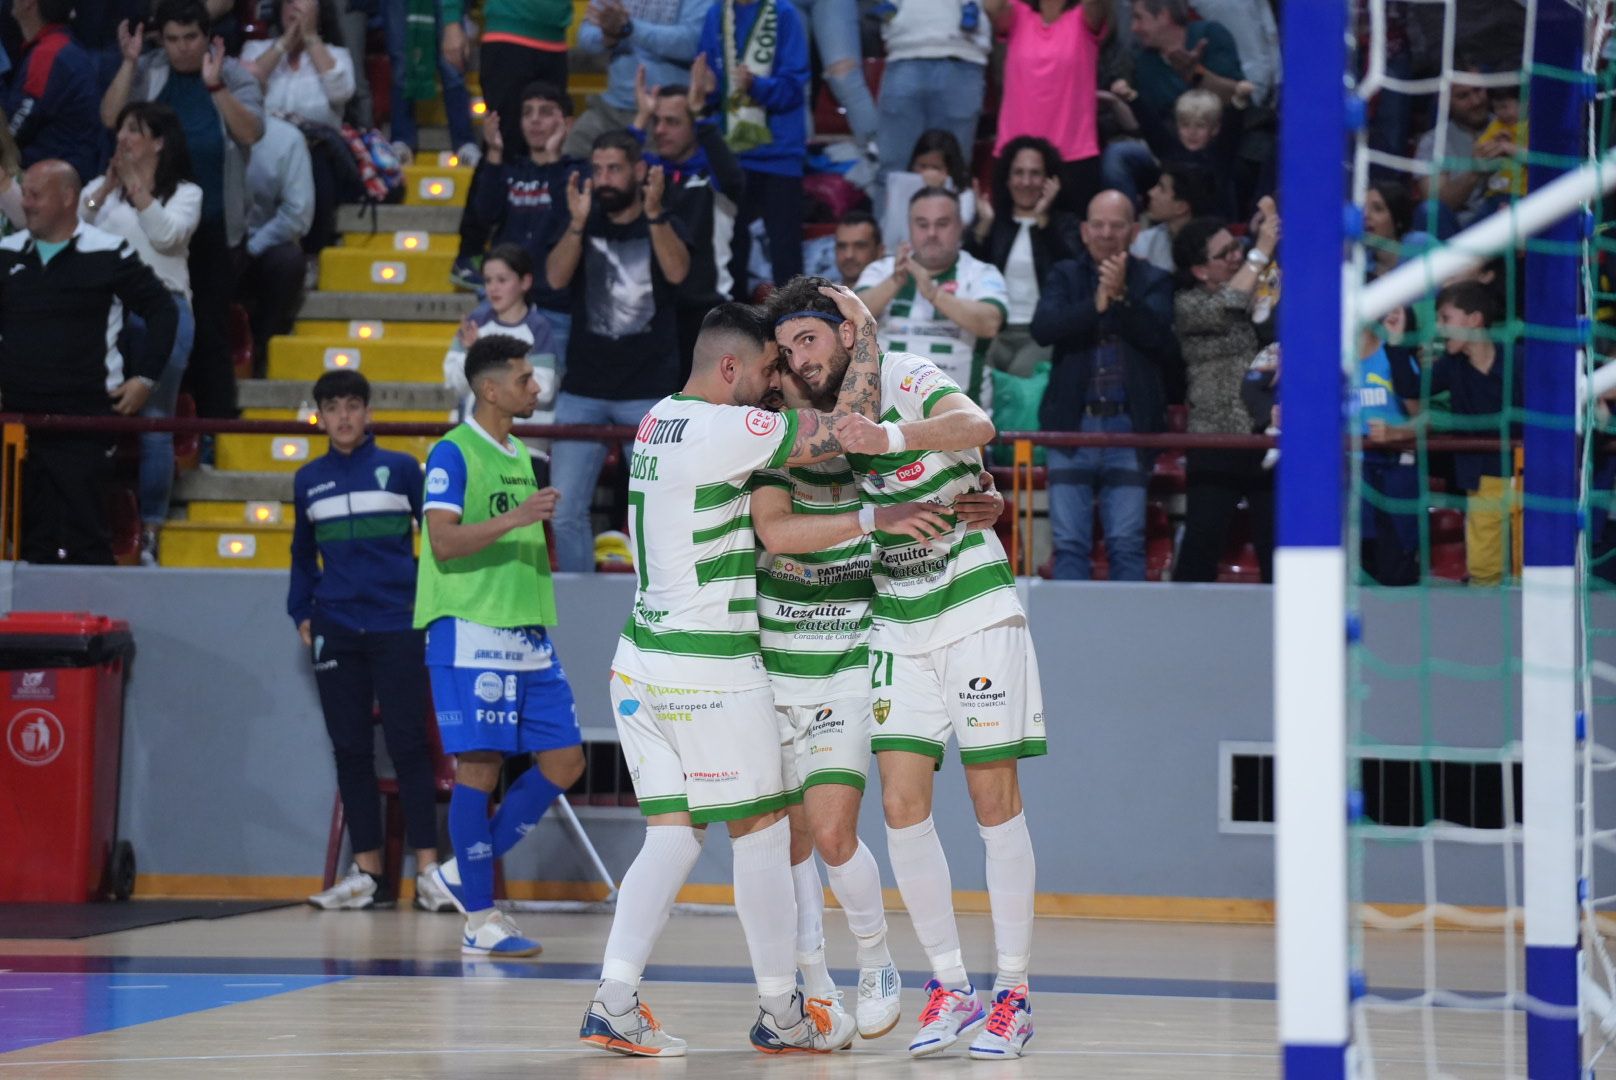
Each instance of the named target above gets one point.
<point>810,1026</point>
<point>948,1015</point>
<point>1009,1027</point>
<point>633,1033</point>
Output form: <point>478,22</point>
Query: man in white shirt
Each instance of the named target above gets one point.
<point>1461,190</point>
<point>936,300</point>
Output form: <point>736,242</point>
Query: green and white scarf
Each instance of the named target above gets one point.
<point>746,123</point>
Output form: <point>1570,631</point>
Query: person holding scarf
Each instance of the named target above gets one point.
<point>758,50</point>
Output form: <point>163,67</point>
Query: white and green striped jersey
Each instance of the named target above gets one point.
<point>912,325</point>
<point>814,610</point>
<point>694,623</point>
<point>928,595</point>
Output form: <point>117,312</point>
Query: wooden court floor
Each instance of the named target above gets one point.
<point>301,993</point>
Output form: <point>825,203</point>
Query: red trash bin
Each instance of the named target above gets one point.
<point>61,714</point>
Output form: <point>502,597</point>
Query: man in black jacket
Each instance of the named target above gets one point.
<point>1110,320</point>
<point>64,286</point>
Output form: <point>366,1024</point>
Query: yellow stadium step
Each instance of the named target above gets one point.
<point>405,359</point>
<point>580,84</point>
<point>231,514</point>
<point>431,184</point>
<point>288,453</point>
<point>377,269</point>
<point>359,331</point>
<point>226,546</point>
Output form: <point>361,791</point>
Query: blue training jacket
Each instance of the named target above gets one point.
<point>356,512</point>
<point>781,94</point>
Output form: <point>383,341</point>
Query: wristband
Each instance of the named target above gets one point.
<point>896,443</point>
<point>866,518</point>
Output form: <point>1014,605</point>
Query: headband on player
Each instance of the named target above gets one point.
<point>833,319</point>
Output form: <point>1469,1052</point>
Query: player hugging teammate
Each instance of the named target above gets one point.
<point>839,578</point>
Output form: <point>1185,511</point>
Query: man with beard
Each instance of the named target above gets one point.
<point>623,257</point>
<point>814,597</point>
<point>950,653</point>
<point>691,697</point>
<point>937,301</point>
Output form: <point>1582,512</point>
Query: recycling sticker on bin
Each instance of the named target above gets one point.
<point>33,686</point>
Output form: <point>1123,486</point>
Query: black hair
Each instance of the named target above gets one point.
<point>1471,297</point>
<point>861,217</point>
<point>674,91</point>
<point>934,192</point>
<point>492,353</point>
<point>1189,246</point>
<point>943,142</point>
<point>1399,204</point>
<point>56,11</point>
<point>514,256</point>
<point>1002,206</point>
<point>174,160</point>
<point>1177,9</point>
<point>1193,185</point>
<point>341,383</point>
<point>800,294</point>
<point>619,140</point>
<point>733,317</point>
<point>548,91</point>
<point>182,12</point>
<point>330,25</point>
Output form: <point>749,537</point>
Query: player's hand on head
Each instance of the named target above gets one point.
<point>859,435</point>
<point>848,302</point>
<point>922,521</point>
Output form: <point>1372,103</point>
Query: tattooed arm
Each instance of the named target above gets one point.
<point>860,394</point>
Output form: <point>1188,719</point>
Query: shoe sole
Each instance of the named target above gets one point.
<point>343,905</point>
<point>896,1016</point>
<point>986,1055</point>
<point>968,1029</point>
<point>507,954</point>
<point>628,1049</point>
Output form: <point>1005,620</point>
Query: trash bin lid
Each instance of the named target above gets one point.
<point>61,639</point>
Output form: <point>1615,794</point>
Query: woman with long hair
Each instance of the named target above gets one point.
<point>147,198</point>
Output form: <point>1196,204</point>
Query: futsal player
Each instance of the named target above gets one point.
<point>485,598</point>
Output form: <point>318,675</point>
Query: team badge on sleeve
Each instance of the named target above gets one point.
<point>762,422</point>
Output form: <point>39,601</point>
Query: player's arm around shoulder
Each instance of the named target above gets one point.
<point>785,532</point>
<point>934,414</point>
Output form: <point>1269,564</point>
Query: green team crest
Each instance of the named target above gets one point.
<point>882,709</point>
<point>382,473</point>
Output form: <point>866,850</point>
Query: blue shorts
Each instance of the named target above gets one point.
<point>511,706</point>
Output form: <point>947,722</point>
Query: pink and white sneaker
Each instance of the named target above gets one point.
<point>949,1014</point>
<point>1009,1027</point>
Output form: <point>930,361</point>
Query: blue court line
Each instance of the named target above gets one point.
<point>42,1006</point>
<point>328,969</point>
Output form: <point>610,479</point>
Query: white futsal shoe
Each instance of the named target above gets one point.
<point>633,1032</point>
<point>878,1009</point>
<point>429,895</point>
<point>949,1015</point>
<point>1009,1027</point>
<point>497,938</point>
<point>356,892</point>
<point>810,1026</point>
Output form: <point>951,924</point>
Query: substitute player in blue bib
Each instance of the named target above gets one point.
<point>485,597</point>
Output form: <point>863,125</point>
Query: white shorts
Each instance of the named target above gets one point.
<point>825,744</point>
<point>983,688</point>
<point>713,753</point>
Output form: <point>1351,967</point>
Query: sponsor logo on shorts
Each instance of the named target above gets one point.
<point>510,688</point>
<point>437,482</point>
<point>820,749</point>
<point>490,687</point>
<point>980,694</point>
<point>972,721</point>
<point>913,471</point>
<point>761,422</point>
<point>628,707</point>
<point>882,709</point>
<point>823,715</point>
<point>1037,719</point>
<point>498,716</point>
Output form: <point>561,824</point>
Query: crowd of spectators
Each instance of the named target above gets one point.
<point>1062,202</point>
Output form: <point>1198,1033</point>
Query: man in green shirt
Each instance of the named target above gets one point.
<point>484,597</point>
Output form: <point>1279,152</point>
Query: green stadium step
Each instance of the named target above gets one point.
<point>399,360</point>
<point>375,268</point>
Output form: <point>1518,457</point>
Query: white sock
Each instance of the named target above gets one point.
<point>811,928</point>
<point>1011,874</point>
<point>645,899</point>
<point>764,901</point>
<point>921,871</point>
<point>856,884</point>
<point>618,997</point>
